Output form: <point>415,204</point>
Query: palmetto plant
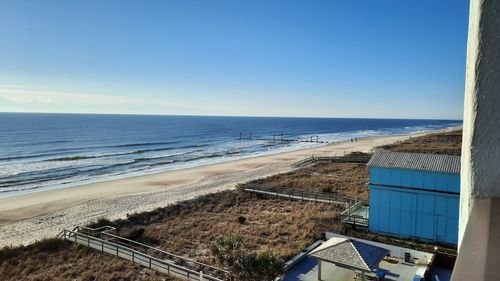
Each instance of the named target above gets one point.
<point>265,266</point>
<point>227,249</point>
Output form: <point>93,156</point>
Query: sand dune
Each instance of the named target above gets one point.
<point>27,218</point>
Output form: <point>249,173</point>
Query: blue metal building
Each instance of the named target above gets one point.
<point>415,195</point>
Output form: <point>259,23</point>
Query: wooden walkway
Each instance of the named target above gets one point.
<point>356,215</point>
<point>332,159</point>
<point>105,241</point>
<point>299,194</point>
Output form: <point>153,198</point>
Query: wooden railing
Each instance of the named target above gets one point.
<point>333,159</point>
<point>299,194</point>
<point>103,239</point>
<point>347,216</point>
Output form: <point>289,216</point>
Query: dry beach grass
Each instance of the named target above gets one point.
<point>438,143</point>
<point>27,218</point>
<point>55,260</point>
<point>345,178</point>
<point>189,228</point>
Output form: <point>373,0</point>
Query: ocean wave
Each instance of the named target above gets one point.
<point>75,165</point>
<point>194,145</point>
<point>33,143</point>
<point>36,179</point>
<point>83,157</point>
<point>63,151</point>
<point>30,156</point>
<point>139,151</point>
<point>137,144</point>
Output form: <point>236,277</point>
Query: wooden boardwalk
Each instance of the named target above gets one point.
<point>332,159</point>
<point>105,241</point>
<point>299,194</point>
<point>357,215</point>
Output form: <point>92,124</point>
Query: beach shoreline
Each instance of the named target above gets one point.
<point>34,216</point>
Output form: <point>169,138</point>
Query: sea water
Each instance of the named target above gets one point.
<point>42,151</point>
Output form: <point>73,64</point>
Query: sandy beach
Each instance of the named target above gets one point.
<point>27,218</point>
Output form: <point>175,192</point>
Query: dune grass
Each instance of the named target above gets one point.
<point>190,228</point>
<point>436,143</point>
<point>55,259</point>
<point>344,178</point>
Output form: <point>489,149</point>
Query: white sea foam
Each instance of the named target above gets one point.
<point>92,167</point>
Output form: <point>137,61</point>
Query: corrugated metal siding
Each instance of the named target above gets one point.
<point>416,161</point>
<point>418,215</point>
<point>404,178</point>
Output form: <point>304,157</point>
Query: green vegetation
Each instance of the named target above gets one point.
<point>326,188</point>
<point>262,266</point>
<point>227,249</point>
<point>265,266</point>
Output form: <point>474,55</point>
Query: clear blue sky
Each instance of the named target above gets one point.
<point>394,59</point>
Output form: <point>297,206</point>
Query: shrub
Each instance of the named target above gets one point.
<point>51,245</point>
<point>265,266</point>
<point>101,222</point>
<point>135,234</point>
<point>227,249</point>
<point>242,219</point>
<point>326,188</point>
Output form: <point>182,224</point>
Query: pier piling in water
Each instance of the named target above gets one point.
<point>310,139</point>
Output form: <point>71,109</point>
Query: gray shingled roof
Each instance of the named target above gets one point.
<point>352,254</point>
<point>416,161</point>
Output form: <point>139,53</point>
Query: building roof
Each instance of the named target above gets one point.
<point>416,161</point>
<point>351,254</point>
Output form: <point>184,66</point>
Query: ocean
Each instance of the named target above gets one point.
<point>46,151</point>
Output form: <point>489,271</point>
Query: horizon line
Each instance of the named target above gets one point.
<point>239,116</point>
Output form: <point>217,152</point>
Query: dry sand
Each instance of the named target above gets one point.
<point>27,218</point>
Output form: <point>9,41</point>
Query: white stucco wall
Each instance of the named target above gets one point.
<point>480,174</point>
